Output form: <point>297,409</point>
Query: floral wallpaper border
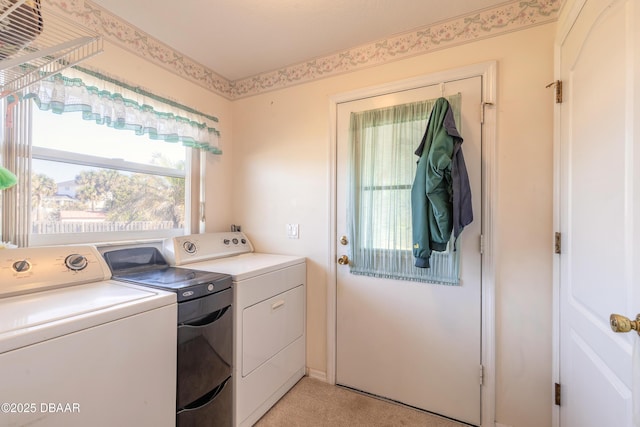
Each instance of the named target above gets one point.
<point>508,17</point>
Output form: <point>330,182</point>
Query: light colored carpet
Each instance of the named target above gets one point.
<point>313,403</point>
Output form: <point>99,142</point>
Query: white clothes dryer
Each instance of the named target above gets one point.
<point>269,316</point>
<point>77,349</point>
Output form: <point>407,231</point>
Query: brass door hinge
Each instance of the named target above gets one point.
<point>558,85</point>
<point>558,243</point>
<point>557,394</point>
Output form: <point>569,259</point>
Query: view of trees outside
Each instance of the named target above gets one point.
<point>107,200</point>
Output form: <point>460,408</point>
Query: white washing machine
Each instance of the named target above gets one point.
<point>77,349</point>
<point>269,317</point>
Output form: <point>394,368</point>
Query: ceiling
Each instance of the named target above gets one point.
<point>243,38</point>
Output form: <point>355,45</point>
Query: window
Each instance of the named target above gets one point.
<point>99,160</point>
<point>89,178</point>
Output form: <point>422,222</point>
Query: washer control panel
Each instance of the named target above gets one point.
<point>25,270</point>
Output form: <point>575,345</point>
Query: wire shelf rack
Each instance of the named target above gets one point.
<point>36,42</point>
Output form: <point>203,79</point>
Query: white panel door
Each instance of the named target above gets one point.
<point>599,207</point>
<point>416,343</point>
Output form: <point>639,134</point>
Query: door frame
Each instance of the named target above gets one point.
<point>565,23</point>
<point>488,72</point>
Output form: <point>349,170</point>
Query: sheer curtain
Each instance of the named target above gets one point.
<point>382,166</point>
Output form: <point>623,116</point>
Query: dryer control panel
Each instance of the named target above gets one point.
<point>201,247</point>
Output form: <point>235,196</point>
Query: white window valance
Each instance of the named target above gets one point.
<point>122,106</point>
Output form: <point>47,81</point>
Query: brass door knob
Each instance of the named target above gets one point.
<point>621,323</point>
<point>343,260</point>
<point>344,241</point>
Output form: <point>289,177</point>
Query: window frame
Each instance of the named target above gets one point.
<point>48,154</point>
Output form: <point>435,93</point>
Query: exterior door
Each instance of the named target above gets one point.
<point>599,209</point>
<point>416,343</point>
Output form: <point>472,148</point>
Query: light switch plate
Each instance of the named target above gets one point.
<point>292,231</point>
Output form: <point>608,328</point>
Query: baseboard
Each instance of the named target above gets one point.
<point>322,376</point>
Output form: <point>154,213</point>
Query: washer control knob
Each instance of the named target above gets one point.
<point>76,262</point>
<point>22,266</point>
<point>226,241</point>
<point>210,287</point>
<point>235,241</point>
<point>189,247</point>
<point>244,241</point>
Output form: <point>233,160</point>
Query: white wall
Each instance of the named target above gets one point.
<point>281,175</point>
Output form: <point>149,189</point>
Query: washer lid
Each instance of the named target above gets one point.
<point>31,318</point>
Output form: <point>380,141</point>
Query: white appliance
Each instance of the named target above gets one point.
<point>77,349</point>
<point>269,317</point>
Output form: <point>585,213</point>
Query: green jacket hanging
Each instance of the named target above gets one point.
<point>432,195</point>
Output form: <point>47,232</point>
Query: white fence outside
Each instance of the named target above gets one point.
<point>54,227</point>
